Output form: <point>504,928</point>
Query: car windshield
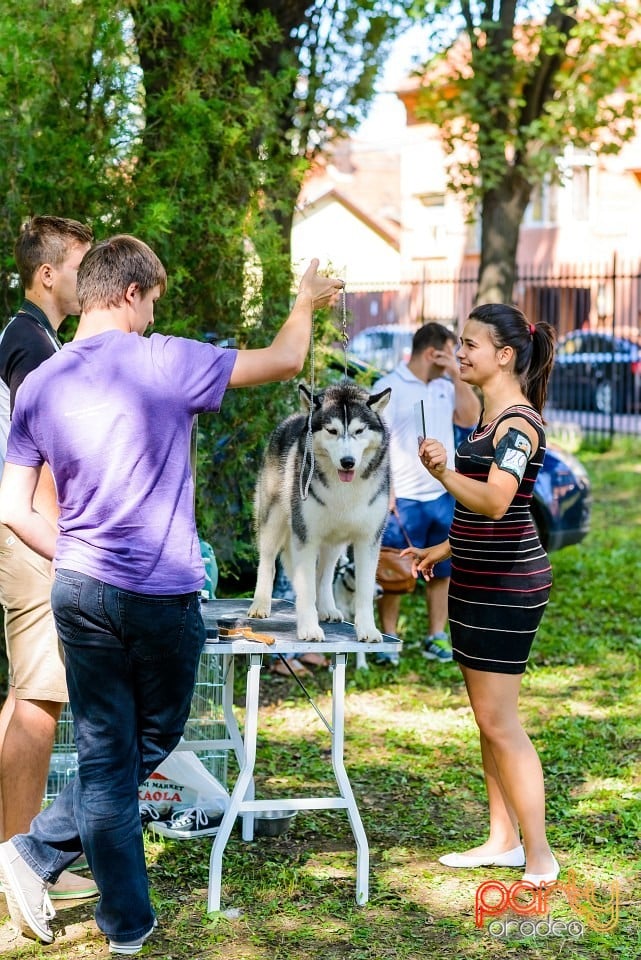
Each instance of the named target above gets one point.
<point>382,347</point>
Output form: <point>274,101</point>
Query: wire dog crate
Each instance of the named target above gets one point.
<point>64,758</point>
<point>206,722</point>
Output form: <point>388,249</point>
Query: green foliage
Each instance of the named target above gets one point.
<point>190,125</point>
<point>340,48</point>
<point>514,89</point>
<point>215,187</point>
<point>68,104</point>
<point>516,86</point>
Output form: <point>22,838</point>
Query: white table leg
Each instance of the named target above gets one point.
<point>244,787</point>
<point>231,723</point>
<point>338,743</point>
<point>245,749</point>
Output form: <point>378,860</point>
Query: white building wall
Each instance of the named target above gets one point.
<point>342,241</point>
<point>434,229</point>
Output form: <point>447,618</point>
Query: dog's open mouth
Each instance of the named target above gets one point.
<point>346,476</point>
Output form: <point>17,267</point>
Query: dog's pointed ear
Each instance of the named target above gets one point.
<point>378,401</point>
<point>306,400</point>
<point>304,396</point>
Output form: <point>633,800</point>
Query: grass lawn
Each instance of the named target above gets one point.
<point>412,755</point>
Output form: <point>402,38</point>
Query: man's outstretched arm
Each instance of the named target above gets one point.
<point>285,357</point>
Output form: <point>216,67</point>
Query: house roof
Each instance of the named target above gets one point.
<point>389,232</point>
<point>364,178</point>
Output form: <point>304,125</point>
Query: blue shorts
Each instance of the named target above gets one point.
<point>426,522</point>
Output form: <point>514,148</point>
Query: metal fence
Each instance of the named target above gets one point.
<point>594,308</point>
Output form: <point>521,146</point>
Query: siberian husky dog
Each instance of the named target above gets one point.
<point>317,493</point>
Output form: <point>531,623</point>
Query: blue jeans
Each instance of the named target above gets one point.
<point>131,663</point>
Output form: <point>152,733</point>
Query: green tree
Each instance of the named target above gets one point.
<point>68,103</point>
<point>201,201</point>
<point>190,124</point>
<point>237,98</point>
<point>514,86</point>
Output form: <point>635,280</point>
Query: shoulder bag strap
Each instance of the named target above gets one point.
<point>402,528</point>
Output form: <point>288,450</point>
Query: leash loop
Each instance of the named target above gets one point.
<point>308,452</point>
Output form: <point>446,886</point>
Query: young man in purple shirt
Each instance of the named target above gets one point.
<point>111,414</point>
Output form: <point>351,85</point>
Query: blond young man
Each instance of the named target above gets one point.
<point>48,253</point>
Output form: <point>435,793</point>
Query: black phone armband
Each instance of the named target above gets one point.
<point>512,453</point>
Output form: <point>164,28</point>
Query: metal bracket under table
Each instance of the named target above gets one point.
<point>340,641</point>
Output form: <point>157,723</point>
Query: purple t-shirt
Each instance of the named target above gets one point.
<point>112,416</point>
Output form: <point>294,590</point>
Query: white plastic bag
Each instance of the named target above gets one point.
<point>182,780</point>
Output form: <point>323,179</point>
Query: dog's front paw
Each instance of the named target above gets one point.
<point>309,630</point>
<point>260,609</point>
<point>368,633</point>
<point>332,614</point>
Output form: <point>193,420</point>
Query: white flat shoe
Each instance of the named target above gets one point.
<point>511,858</point>
<point>539,879</point>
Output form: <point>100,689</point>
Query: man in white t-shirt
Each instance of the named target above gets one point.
<point>418,501</point>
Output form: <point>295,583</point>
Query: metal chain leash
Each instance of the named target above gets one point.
<point>308,452</point>
<point>344,334</point>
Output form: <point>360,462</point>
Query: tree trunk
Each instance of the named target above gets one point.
<point>502,211</point>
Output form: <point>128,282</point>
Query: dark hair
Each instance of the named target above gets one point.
<point>111,266</point>
<point>533,345</point>
<point>47,240</point>
<point>431,335</point>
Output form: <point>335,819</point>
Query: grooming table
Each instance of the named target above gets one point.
<point>340,641</point>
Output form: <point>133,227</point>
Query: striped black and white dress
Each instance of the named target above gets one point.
<point>501,575</point>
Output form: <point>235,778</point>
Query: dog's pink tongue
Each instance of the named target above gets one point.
<point>346,475</point>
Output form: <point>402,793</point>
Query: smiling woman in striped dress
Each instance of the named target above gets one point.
<point>501,575</point>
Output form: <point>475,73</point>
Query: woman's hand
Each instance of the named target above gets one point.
<point>424,559</point>
<point>433,456</point>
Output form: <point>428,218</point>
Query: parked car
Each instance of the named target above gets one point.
<point>382,346</point>
<point>596,371</point>
<point>562,500</point>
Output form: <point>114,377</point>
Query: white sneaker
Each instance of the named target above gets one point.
<point>27,897</point>
<point>79,864</point>
<point>130,947</point>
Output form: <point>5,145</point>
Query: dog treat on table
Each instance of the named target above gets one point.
<point>245,633</point>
